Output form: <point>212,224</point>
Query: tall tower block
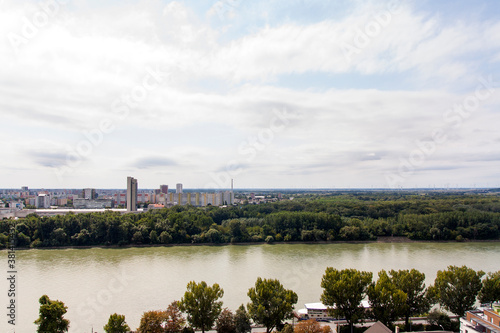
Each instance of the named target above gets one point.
<point>131,194</point>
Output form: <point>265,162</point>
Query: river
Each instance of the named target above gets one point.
<point>94,283</point>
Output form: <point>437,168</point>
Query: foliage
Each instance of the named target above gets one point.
<point>412,283</point>
<point>116,324</point>
<point>152,322</point>
<point>270,303</point>
<point>345,289</point>
<point>347,216</point>
<point>456,288</point>
<point>201,305</point>
<point>242,320</point>
<point>226,322</point>
<point>387,301</point>
<point>175,321</point>
<point>311,326</point>
<point>490,292</point>
<point>51,318</point>
<point>439,320</point>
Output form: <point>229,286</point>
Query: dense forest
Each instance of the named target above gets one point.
<point>307,218</point>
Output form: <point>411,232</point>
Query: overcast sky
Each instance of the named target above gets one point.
<point>275,94</point>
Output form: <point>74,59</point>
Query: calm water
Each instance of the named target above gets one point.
<point>94,283</point>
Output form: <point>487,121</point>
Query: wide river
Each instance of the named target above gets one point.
<point>94,283</point>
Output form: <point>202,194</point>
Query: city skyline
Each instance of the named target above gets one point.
<point>300,94</point>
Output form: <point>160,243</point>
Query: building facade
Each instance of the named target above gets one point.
<point>131,194</point>
<point>89,193</point>
<point>42,201</point>
<point>483,320</point>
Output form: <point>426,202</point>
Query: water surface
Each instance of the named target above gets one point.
<point>94,283</point>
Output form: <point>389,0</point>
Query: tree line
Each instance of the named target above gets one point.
<point>346,217</point>
<point>395,295</point>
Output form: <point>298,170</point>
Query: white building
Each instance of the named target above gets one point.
<point>484,320</point>
<point>319,311</point>
<point>42,201</point>
<point>178,188</point>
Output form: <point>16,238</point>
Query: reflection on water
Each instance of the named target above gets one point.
<point>95,283</point>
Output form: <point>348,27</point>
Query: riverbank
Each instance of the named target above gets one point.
<point>385,239</point>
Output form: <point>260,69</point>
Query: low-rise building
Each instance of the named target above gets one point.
<point>483,320</point>
<point>82,203</point>
<point>319,311</point>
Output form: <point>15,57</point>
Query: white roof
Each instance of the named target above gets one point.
<point>315,306</point>
<point>321,306</point>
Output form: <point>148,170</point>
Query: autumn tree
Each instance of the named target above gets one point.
<point>270,303</point>
<point>174,319</point>
<point>152,322</point>
<point>51,317</point>
<point>456,288</point>
<point>344,290</point>
<point>226,323</point>
<point>242,320</point>
<point>386,300</point>
<point>116,324</point>
<point>490,292</point>
<point>311,326</point>
<point>412,283</point>
<point>201,305</point>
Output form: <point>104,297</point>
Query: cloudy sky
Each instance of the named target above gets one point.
<point>275,94</point>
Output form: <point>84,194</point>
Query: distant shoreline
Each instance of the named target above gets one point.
<point>384,239</point>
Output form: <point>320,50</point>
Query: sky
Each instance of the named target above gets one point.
<point>272,94</point>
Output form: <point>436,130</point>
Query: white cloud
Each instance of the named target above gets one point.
<point>217,95</point>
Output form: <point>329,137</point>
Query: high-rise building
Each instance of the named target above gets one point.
<point>24,188</point>
<point>131,194</point>
<point>178,188</point>
<point>89,193</point>
<point>42,201</point>
<point>164,189</point>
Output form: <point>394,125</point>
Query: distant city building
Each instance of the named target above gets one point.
<point>42,201</point>
<point>89,193</point>
<point>120,199</point>
<point>61,201</point>
<point>164,189</point>
<point>131,194</point>
<point>16,204</point>
<point>178,188</point>
<point>82,203</point>
<point>24,188</point>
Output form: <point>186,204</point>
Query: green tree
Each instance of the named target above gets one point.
<point>345,289</point>
<point>226,323</point>
<point>456,288</point>
<point>490,292</point>
<point>51,318</point>
<point>387,301</point>
<point>201,305</point>
<point>153,236</point>
<point>270,303</point>
<point>412,283</point>
<point>439,319</point>
<point>165,237</point>
<point>116,324</point>
<point>242,320</point>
